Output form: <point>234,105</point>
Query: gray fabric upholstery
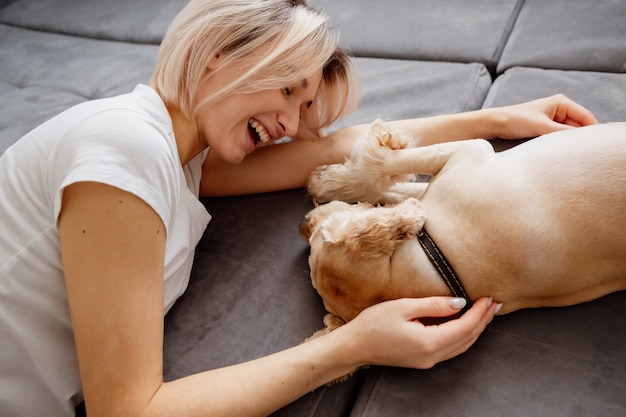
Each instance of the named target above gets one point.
<point>452,30</point>
<point>603,93</point>
<point>250,292</point>
<point>570,35</point>
<point>397,89</point>
<point>137,21</point>
<point>45,73</point>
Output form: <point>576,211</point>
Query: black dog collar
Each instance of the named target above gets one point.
<point>444,268</point>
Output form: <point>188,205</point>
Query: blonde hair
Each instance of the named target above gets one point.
<point>271,44</point>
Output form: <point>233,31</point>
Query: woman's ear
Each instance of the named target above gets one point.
<point>214,61</point>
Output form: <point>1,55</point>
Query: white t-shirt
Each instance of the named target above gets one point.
<point>126,142</point>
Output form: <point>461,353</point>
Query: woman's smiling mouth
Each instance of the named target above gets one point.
<point>258,132</point>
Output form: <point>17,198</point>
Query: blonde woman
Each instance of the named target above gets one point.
<point>100,216</point>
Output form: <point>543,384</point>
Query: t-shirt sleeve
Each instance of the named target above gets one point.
<point>122,149</point>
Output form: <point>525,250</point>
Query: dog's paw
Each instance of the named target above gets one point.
<point>391,138</point>
<point>335,182</point>
<point>332,322</point>
<point>319,171</point>
<point>345,377</point>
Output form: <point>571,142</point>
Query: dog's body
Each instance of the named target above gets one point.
<point>541,224</point>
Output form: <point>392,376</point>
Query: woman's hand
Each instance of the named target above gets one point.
<point>391,333</point>
<point>542,116</point>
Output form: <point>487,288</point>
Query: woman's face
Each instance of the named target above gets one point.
<point>236,125</point>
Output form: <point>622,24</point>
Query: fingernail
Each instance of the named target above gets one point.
<point>489,302</point>
<point>457,303</point>
<point>498,308</point>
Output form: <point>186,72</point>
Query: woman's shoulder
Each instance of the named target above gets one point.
<point>134,126</point>
<point>122,142</point>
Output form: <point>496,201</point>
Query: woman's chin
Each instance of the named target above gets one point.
<point>237,158</point>
<point>232,156</point>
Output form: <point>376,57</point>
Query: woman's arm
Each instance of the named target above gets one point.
<point>113,250</point>
<point>112,247</point>
<point>519,121</point>
<point>285,166</point>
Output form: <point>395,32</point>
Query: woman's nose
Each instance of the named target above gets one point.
<point>289,121</point>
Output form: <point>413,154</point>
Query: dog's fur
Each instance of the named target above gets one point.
<point>541,224</point>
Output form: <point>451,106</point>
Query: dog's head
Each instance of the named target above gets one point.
<point>351,250</point>
<point>321,212</point>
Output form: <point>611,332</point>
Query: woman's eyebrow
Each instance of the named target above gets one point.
<point>305,83</point>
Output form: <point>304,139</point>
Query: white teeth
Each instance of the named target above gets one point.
<point>260,130</point>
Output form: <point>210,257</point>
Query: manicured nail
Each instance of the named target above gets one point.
<point>489,302</point>
<point>498,308</point>
<point>457,303</point>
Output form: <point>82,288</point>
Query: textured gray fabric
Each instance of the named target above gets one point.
<point>4,3</point>
<point>451,30</point>
<point>143,21</point>
<point>568,34</point>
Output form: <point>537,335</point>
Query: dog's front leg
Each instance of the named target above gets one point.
<point>431,159</point>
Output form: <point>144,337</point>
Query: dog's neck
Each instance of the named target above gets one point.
<point>410,260</point>
<point>443,266</point>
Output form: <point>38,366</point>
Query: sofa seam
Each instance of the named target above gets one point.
<point>504,40</point>
<point>75,35</point>
<point>377,371</point>
<point>474,86</point>
<point>314,401</point>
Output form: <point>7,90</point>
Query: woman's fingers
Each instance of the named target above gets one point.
<point>416,308</point>
<point>456,336</point>
<point>570,113</point>
<point>394,335</point>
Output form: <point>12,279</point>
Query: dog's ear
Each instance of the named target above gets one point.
<point>376,231</point>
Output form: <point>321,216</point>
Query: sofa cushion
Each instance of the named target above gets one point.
<point>142,21</point>
<point>452,30</point>
<point>568,34</point>
<point>544,362</point>
<point>600,92</point>
<point>397,89</point>
<point>45,73</point>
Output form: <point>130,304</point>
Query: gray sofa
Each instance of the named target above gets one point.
<point>250,293</point>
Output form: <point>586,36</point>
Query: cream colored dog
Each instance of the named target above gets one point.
<point>541,224</point>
